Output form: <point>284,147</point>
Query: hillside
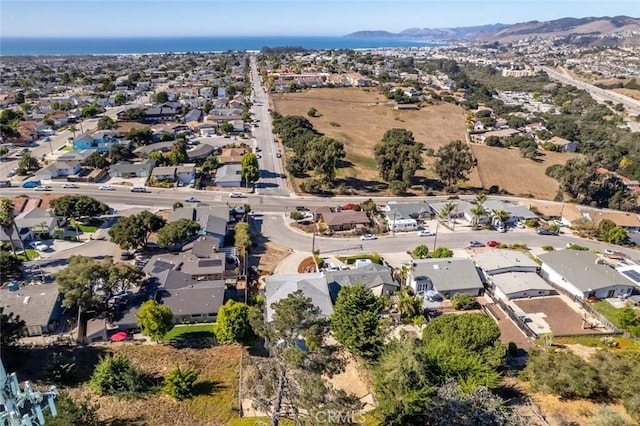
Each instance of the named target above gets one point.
<point>601,28</point>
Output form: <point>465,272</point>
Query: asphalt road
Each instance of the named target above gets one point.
<point>631,105</point>
<point>271,171</point>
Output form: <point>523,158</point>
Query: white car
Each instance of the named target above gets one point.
<point>425,233</point>
<point>236,195</point>
<point>70,186</point>
<point>368,237</point>
<point>191,199</point>
<point>39,245</point>
<point>106,188</point>
<point>43,188</point>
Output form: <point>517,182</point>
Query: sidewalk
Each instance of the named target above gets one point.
<point>289,264</point>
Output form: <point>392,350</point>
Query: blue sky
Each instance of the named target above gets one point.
<point>82,18</point>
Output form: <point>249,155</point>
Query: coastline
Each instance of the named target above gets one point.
<point>44,46</point>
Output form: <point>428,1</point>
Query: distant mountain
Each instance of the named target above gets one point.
<point>571,27</point>
<point>372,34</point>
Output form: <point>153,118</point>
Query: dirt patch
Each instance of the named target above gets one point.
<point>307,265</point>
<point>562,319</point>
<point>271,255</point>
<point>506,168</point>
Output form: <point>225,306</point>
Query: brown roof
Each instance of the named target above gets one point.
<point>46,200</point>
<point>232,155</point>
<point>31,204</point>
<point>345,217</point>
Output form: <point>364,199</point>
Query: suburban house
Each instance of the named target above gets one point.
<point>407,216</point>
<point>99,141</point>
<point>229,176</point>
<point>199,302</point>
<point>58,169</point>
<point>445,276</point>
<point>39,306</point>
<point>201,151</point>
<point>313,286</point>
<point>213,221</point>
<point>35,223</point>
<point>511,274</point>
<point>338,219</point>
<point>564,144</point>
<point>167,173</point>
<point>186,173</point>
<point>193,115</point>
<point>628,221</point>
<point>127,170</point>
<point>582,274</point>
<point>377,277</point>
<point>163,112</point>
<point>232,155</point>
<point>73,157</point>
<point>517,212</point>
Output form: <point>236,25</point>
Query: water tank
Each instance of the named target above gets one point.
<point>14,285</point>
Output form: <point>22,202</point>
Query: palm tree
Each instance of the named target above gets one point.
<point>447,210</point>
<point>478,212</point>
<point>28,162</point>
<point>8,224</point>
<point>410,306</point>
<point>502,215</point>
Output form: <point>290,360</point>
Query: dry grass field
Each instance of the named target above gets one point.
<point>635,94</point>
<point>360,117</point>
<point>507,169</point>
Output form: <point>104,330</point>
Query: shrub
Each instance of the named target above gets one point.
<point>531,223</point>
<point>116,375</point>
<point>463,302</point>
<point>60,369</point>
<point>606,416</point>
<point>180,383</point>
<point>296,215</point>
<point>512,349</point>
<point>421,251</point>
<point>441,252</point>
<point>547,248</point>
<point>577,247</point>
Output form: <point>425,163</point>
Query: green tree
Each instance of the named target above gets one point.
<point>420,252</point>
<point>134,231</point>
<point>10,266</point>
<point>232,324</point>
<point>8,224</point>
<point>106,123</point>
<point>12,329</point>
<point>209,164</point>
<point>92,110</point>
<point>77,206</point>
<point>226,127</point>
<point>322,156</point>
<point>250,171</point>
<point>116,375</point>
<point>119,99</point>
<point>242,235</point>
<point>73,411</point>
<point>178,154</point>
<point>96,160</point>
<point>441,252</point>
<point>454,162</point>
<point>141,136</point>
<point>89,283</point>
<point>177,233</point>
<point>160,97</point>
<point>355,321</point>
<point>398,156</point>
<point>463,302</point>
<point>180,383</point>
<point>312,112</point>
<point>118,152</point>
<point>154,319</point>
<point>28,162</point>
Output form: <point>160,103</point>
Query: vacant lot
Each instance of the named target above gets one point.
<point>507,169</point>
<point>359,118</point>
<point>562,319</point>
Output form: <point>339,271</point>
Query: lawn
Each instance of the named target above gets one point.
<point>608,311</point>
<point>31,254</point>
<point>92,226</point>
<point>189,331</point>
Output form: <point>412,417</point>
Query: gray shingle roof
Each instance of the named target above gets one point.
<point>314,286</point>
<point>448,274</point>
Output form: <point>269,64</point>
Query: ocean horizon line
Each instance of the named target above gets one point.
<point>69,46</point>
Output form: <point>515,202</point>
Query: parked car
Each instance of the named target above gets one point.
<point>236,195</point>
<point>191,199</point>
<point>302,209</point>
<point>11,173</point>
<point>425,233</point>
<point>106,188</point>
<point>43,188</point>
<point>38,245</point>
<point>125,255</point>
<point>368,237</point>
<point>501,229</point>
<point>520,225</point>
<point>545,231</point>
<point>70,186</point>
<point>493,243</point>
<point>278,154</point>
<point>473,244</point>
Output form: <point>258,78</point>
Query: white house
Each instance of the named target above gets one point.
<point>57,169</point>
<point>229,176</point>
<point>186,173</point>
<point>446,276</point>
<point>582,274</point>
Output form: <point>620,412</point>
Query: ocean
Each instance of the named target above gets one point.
<point>21,46</point>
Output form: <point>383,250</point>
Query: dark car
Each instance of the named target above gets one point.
<point>301,208</point>
<point>125,255</point>
<point>546,231</point>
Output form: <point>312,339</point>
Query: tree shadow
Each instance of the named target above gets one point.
<point>343,164</point>
<point>207,387</point>
<point>365,185</point>
<point>139,419</point>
